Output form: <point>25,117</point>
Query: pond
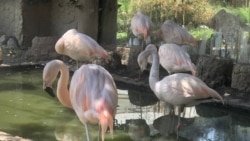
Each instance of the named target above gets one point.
<point>27,111</point>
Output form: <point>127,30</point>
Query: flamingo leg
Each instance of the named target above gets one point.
<point>139,75</point>
<point>77,64</point>
<point>180,109</point>
<point>99,134</point>
<point>87,131</point>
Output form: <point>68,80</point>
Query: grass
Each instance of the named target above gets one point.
<point>121,37</point>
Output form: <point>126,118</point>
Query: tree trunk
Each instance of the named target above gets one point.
<point>107,22</point>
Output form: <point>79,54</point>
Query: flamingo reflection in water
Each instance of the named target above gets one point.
<point>92,93</point>
<point>79,46</point>
<point>180,89</point>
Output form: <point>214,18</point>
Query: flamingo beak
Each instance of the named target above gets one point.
<point>49,90</point>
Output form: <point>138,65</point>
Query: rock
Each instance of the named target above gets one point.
<point>114,63</point>
<point>3,40</point>
<point>138,130</point>
<point>7,137</point>
<point>132,61</point>
<point>42,48</point>
<point>229,24</point>
<point>240,77</point>
<point>214,71</point>
<point>12,43</point>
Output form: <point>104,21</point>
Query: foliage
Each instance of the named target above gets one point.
<point>241,12</point>
<point>201,33</point>
<point>191,13</point>
<point>184,12</point>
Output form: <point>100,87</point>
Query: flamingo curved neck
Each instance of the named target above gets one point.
<point>62,87</point>
<point>154,71</point>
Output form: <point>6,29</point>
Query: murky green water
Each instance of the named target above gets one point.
<point>27,111</point>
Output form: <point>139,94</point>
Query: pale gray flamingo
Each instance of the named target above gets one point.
<point>141,26</point>
<point>171,32</point>
<point>178,89</point>
<point>79,46</point>
<point>92,93</point>
<point>173,59</point>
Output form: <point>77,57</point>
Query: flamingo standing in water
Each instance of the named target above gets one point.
<point>170,32</point>
<point>178,89</point>
<point>79,46</point>
<point>92,93</point>
<point>141,26</point>
<point>173,59</point>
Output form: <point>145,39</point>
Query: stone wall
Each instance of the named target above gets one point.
<point>11,18</point>
<point>240,77</point>
<point>36,20</point>
<point>63,17</point>
<point>26,19</point>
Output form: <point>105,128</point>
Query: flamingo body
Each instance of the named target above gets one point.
<point>184,89</point>
<point>141,26</point>
<point>79,46</point>
<point>177,89</point>
<point>173,58</point>
<point>171,32</point>
<point>92,93</point>
<point>95,100</point>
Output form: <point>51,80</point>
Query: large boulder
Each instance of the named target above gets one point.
<point>214,71</point>
<point>230,25</point>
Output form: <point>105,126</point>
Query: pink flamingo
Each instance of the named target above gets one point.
<point>171,32</point>
<point>92,93</point>
<point>179,89</point>
<point>141,26</point>
<point>79,46</point>
<point>173,59</point>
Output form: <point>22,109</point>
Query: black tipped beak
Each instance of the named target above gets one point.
<point>49,91</point>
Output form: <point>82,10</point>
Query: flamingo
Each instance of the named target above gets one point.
<point>141,26</point>
<point>92,93</point>
<point>173,59</point>
<point>171,32</point>
<point>180,89</point>
<point>79,46</point>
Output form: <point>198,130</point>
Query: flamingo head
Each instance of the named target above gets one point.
<point>50,91</point>
<point>59,47</point>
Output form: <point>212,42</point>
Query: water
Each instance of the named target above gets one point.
<point>27,111</point>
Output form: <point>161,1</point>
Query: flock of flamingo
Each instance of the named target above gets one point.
<point>92,92</point>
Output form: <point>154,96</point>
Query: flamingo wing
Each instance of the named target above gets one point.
<point>183,88</point>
